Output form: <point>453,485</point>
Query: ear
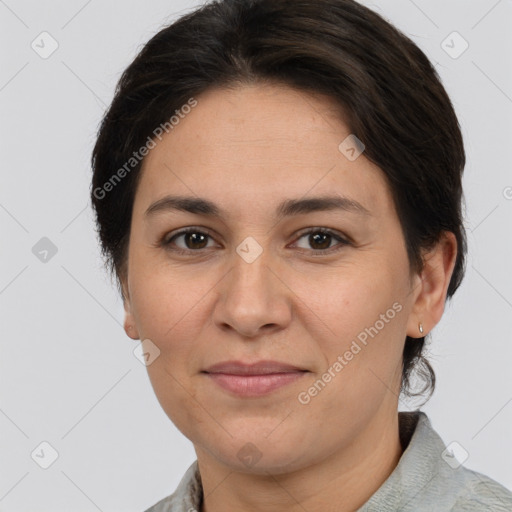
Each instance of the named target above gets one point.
<point>431,286</point>
<point>130,327</point>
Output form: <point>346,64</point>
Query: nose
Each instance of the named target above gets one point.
<point>253,299</point>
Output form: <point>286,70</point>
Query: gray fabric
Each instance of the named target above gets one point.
<point>421,482</point>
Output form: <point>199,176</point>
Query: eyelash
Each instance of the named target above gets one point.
<point>320,252</point>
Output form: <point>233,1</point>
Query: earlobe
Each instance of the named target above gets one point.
<point>129,321</point>
<point>429,304</point>
<point>131,330</point>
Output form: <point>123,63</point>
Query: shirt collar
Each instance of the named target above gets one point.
<point>417,467</point>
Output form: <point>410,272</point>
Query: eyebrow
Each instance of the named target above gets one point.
<point>287,208</point>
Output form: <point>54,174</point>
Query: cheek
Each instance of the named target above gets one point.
<point>165,298</point>
<point>168,311</point>
<point>353,299</point>
<point>363,317</point>
<point>361,354</point>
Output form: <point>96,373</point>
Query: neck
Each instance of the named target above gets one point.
<point>342,482</point>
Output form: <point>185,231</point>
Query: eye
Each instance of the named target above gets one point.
<point>193,238</point>
<point>320,239</point>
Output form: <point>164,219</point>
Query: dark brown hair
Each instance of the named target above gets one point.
<point>392,96</point>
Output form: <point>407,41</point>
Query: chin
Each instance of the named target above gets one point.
<point>259,454</point>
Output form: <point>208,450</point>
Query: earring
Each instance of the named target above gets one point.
<point>421,328</point>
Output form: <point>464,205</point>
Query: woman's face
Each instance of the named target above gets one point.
<point>263,282</point>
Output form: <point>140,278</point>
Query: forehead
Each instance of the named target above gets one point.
<point>260,144</point>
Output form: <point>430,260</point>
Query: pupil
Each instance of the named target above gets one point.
<point>325,236</point>
<point>195,237</point>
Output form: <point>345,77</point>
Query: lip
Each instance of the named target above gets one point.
<point>253,380</point>
<point>264,367</point>
<point>254,385</point>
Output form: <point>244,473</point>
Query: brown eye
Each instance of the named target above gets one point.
<point>320,240</point>
<point>192,240</point>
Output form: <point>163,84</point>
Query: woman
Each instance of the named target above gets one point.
<point>277,186</point>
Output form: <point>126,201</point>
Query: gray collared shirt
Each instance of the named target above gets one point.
<point>427,479</point>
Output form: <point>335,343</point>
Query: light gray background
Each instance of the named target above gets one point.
<point>67,369</point>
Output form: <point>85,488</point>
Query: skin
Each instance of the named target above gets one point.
<point>247,149</point>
